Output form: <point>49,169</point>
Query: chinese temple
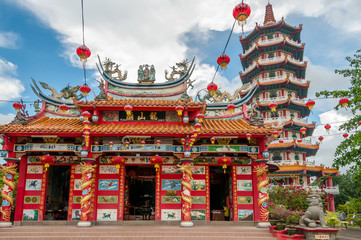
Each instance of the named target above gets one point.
<point>147,151</point>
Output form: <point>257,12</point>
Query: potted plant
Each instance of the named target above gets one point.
<point>291,220</point>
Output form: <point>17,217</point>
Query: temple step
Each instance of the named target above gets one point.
<point>135,232</point>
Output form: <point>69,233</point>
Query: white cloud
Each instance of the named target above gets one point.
<point>332,139</point>
<point>6,118</point>
<point>9,40</point>
<point>12,87</point>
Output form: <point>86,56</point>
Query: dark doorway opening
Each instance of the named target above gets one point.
<point>219,193</point>
<point>57,194</point>
<point>140,200</point>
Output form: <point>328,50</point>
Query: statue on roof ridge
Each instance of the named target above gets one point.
<point>146,74</point>
<point>102,94</point>
<point>109,64</point>
<point>181,69</point>
<point>66,93</point>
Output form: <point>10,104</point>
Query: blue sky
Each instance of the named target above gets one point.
<point>38,39</point>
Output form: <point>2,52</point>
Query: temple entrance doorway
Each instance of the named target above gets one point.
<point>219,193</point>
<point>139,199</point>
<point>57,194</point>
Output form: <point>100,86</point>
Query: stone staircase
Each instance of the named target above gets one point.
<point>131,231</point>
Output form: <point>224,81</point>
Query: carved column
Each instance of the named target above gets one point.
<point>186,169</point>
<point>262,181</point>
<point>87,170</point>
<point>7,192</point>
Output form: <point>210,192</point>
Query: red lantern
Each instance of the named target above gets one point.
<point>85,89</point>
<point>195,132</point>
<point>241,12</point>
<point>320,138</point>
<point>83,53</point>
<point>179,110</point>
<point>310,104</point>
<point>224,161</point>
<point>275,133</point>
<point>213,139</point>
<point>183,141</point>
<point>156,161</point>
<point>86,115</point>
<point>280,141</point>
<point>143,143</point>
<point>344,101</point>
<point>299,140</point>
<point>212,88</point>
<point>158,142</point>
<point>111,144</point>
<point>198,126</point>
<point>193,138</point>
<point>273,106</point>
<point>118,161</point>
<point>248,135</point>
<point>345,135</point>
<point>327,127</point>
<point>17,106</point>
<point>127,144</point>
<point>231,108</point>
<point>64,108</point>
<point>86,130</point>
<point>223,61</point>
<point>86,123</point>
<point>128,109</point>
<point>200,117</point>
<point>303,130</point>
<point>47,160</point>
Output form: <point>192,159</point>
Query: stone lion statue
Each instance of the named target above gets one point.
<point>313,213</point>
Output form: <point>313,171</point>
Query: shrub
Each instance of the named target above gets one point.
<point>331,219</point>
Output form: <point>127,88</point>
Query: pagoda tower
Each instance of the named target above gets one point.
<point>273,63</point>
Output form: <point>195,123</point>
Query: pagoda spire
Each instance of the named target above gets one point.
<point>269,18</point>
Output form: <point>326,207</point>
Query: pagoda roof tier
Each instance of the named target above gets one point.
<point>304,146</point>
<point>141,103</point>
<point>306,169</point>
<point>293,104</point>
<point>282,45</point>
<point>291,83</point>
<point>291,123</point>
<point>289,64</point>
<point>66,127</point>
<point>281,26</point>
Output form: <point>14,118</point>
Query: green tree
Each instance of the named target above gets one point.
<point>349,151</point>
<point>349,185</point>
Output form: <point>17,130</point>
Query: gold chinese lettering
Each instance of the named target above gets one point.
<point>141,117</point>
<point>130,117</point>
<point>153,116</point>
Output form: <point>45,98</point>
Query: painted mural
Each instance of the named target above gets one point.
<point>108,184</point>
<point>245,200</point>
<point>198,200</point>
<point>33,184</point>
<point>107,215</point>
<point>198,185</point>
<point>198,214</point>
<point>199,170</point>
<point>107,199</point>
<point>76,214</point>
<point>244,170</point>
<point>35,169</point>
<point>30,214</point>
<point>245,215</point>
<point>244,185</point>
<point>171,199</point>
<point>108,169</point>
<point>170,184</point>
<point>170,170</point>
<point>171,214</point>
<point>77,184</point>
<point>32,199</point>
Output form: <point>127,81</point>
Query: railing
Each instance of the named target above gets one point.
<point>292,162</point>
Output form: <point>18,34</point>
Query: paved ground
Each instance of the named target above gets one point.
<point>351,233</point>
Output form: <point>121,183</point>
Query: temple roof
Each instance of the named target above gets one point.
<point>269,18</point>
<point>301,168</point>
<point>46,125</point>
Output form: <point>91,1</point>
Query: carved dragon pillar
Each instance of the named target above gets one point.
<point>87,169</point>
<point>186,169</point>
<point>7,192</point>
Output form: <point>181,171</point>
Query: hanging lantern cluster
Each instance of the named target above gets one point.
<point>200,117</point>
<point>212,88</point>
<point>17,106</point>
<point>224,161</point>
<point>273,106</point>
<point>179,110</point>
<point>344,101</point>
<point>303,130</point>
<point>83,53</point>
<point>118,161</point>
<point>47,160</point>
<point>128,109</point>
<point>310,104</point>
<point>156,161</point>
<point>85,89</point>
<point>231,107</point>
<point>64,108</point>
<point>223,61</point>
<point>241,12</point>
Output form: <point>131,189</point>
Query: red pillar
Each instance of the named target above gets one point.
<point>21,188</point>
<point>332,203</point>
<point>186,169</point>
<point>7,191</point>
<point>87,171</point>
<point>121,192</point>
